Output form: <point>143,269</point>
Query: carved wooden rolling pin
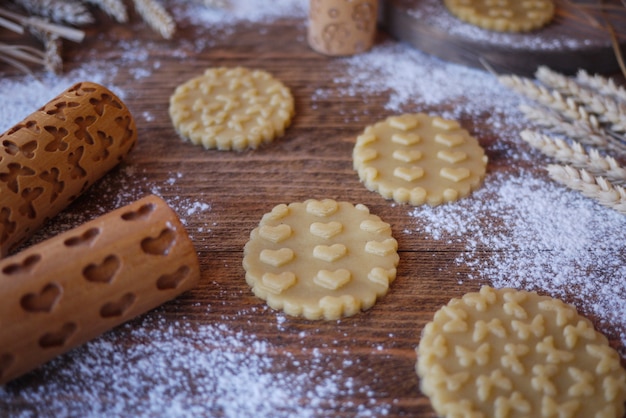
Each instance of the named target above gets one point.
<point>55,154</point>
<point>73,287</point>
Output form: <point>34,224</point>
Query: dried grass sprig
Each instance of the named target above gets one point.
<point>156,17</point>
<point>38,24</point>
<point>576,155</point>
<point>18,55</point>
<point>597,188</point>
<point>609,111</point>
<point>68,11</point>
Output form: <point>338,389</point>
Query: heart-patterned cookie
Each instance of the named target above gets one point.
<point>417,159</point>
<point>320,258</point>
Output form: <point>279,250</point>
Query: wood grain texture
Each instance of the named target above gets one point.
<point>313,160</point>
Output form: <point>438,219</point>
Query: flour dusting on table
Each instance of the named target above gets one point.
<point>542,237</point>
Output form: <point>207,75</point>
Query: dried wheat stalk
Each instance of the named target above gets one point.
<point>584,129</point>
<point>17,55</point>
<point>597,188</point>
<point>577,156</point>
<point>604,85</point>
<point>114,8</point>
<point>60,11</point>
<point>538,93</point>
<point>568,116</point>
<point>608,110</point>
<point>156,17</point>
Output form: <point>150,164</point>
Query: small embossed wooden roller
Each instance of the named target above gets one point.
<point>71,288</point>
<point>56,153</point>
<point>342,27</point>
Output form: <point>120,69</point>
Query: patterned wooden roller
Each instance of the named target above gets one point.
<point>342,27</point>
<point>56,153</point>
<point>71,288</point>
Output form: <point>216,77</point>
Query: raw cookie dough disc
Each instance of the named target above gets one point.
<point>503,15</point>
<point>509,353</point>
<point>231,108</point>
<point>417,159</point>
<point>320,259</point>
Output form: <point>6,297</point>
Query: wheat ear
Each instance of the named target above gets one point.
<point>597,188</point>
<point>585,129</point>
<point>552,99</point>
<point>577,156</point>
<point>68,11</point>
<point>114,8</point>
<point>156,17</point>
<point>608,110</point>
<point>602,84</point>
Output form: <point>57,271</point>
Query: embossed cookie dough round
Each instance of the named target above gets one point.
<point>509,353</point>
<point>231,108</point>
<point>417,159</point>
<point>320,259</point>
<point>503,15</point>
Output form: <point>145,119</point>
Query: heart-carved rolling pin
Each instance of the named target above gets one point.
<point>56,153</point>
<point>71,288</point>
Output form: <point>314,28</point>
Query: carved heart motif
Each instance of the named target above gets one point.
<point>332,280</point>
<point>119,307</point>
<point>322,208</point>
<point>326,230</point>
<point>277,258</point>
<point>44,301</point>
<point>24,267</point>
<point>144,211</point>
<point>160,245</point>
<point>278,283</point>
<point>171,281</point>
<point>58,338</point>
<point>86,238</point>
<point>275,233</point>
<point>104,272</point>
<point>329,253</point>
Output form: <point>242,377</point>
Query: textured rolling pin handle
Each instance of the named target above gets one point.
<point>342,27</point>
<point>73,287</point>
<point>55,154</point>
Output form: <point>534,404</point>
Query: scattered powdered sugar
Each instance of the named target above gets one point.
<point>519,230</point>
<point>19,97</point>
<point>220,372</point>
<point>243,11</point>
<point>415,79</point>
<point>530,233</point>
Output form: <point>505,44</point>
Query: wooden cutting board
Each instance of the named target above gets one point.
<point>570,42</point>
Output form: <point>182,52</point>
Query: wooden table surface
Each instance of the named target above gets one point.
<point>312,160</point>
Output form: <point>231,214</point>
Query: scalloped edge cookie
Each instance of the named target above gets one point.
<point>418,158</point>
<point>503,15</point>
<point>320,259</point>
<point>231,108</point>
<point>509,353</point>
